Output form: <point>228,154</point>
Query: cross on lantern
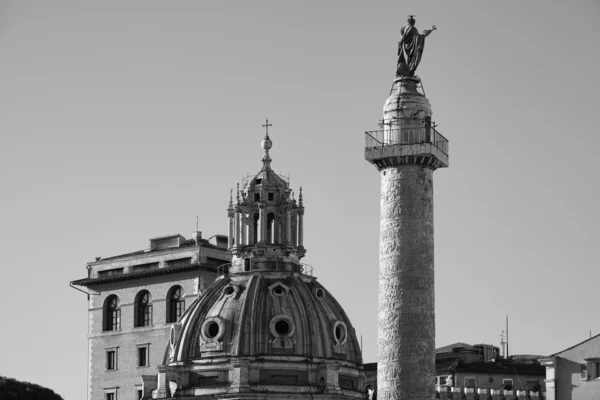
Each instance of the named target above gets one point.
<point>266,126</point>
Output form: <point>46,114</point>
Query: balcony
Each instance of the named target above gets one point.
<point>406,145</point>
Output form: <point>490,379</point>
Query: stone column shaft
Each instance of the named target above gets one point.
<point>262,224</point>
<point>276,239</point>
<point>294,229</point>
<point>288,227</point>
<point>406,312</point>
<point>238,229</point>
<point>250,224</point>
<point>301,229</point>
<point>231,230</point>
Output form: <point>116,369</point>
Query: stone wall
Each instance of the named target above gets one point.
<point>127,376</point>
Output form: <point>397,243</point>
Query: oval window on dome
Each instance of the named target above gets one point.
<point>340,332</point>
<point>229,290</point>
<point>320,293</point>
<point>278,291</point>
<point>212,329</point>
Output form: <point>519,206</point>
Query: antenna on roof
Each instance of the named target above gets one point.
<point>507,336</point>
<point>196,223</point>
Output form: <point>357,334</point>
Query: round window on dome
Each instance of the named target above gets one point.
<point>340,332</point>
<point>212,329</point>
<point>282,326</point>
<point>229,290</point>
<point>320,293</point>
<point>278,291</point>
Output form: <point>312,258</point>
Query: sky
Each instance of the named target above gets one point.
<point>125,120</point>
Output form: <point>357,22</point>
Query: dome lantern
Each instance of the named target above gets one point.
<point>266,225</point>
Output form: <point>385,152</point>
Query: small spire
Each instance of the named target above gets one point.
<point>300,196</point>
<point>230,198</point>
<point>238,193</point>
<point>266,144</point>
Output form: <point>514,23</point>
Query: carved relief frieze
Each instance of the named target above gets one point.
<point>406,319</point>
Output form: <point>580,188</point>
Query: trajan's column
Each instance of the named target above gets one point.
<point>406,152</point>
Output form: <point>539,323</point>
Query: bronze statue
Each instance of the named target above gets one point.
<point>410,48</point>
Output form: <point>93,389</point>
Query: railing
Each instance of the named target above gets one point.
<point>306,269</point>
<point>223,269</point>
<point>406,136</point>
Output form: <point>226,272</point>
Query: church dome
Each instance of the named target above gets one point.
<point>267,333</point>
<point>265,314</point>
<point>266,328</point>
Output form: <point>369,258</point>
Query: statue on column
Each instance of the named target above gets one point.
<point>410,48</point>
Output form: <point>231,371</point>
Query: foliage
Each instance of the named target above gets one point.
<point>12,389</point>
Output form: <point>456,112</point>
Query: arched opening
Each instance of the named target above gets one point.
<point>270,228</point>
<point>255,229</point>
<point>143,309</point>
<point>112,313</point>
<point>176,304</point>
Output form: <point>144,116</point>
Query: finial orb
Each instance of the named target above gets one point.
<point>266,144</point>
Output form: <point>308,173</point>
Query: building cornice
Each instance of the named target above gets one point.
<point>89,282</point>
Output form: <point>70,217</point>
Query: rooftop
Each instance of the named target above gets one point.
<point>143,274</point>
<point>184,243</point>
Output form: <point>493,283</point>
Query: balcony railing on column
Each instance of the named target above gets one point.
<point>406,136</point>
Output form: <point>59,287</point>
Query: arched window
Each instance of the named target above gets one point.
<point>143,309</point>
<point>112,313</point>
<point>176,304</point>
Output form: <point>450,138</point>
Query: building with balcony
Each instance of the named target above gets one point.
<point>133,299</point>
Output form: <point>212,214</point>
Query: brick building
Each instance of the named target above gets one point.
<point>133,299</point>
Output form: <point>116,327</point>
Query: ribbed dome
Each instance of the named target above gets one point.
<point>264,334</point>
<point>265,314</point>
<point>266,179</point>
<point>266,329</point>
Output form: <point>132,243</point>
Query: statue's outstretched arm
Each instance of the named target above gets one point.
<point>426,32</point>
